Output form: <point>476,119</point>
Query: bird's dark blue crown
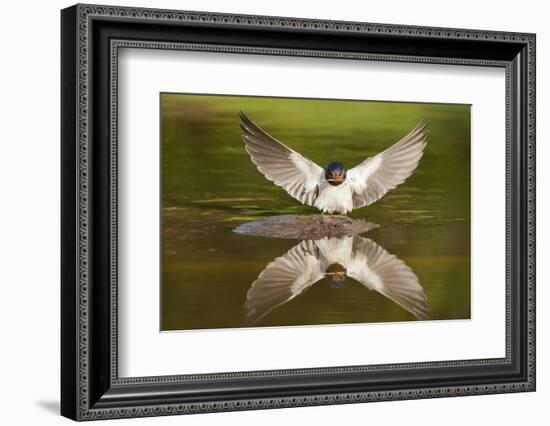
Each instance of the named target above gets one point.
<point>335,166</point>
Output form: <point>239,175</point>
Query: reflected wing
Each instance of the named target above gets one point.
<point>377,175</point>
<point>282,280</point>
<point>298,175</point>
<point>385,273</point>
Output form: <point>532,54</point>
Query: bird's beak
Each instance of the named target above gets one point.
<point>338,277</point>
<point>336,273</point>
<point>336,177</point>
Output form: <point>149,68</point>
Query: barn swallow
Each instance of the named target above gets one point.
<point>336,260</point>
<point>333,189</point>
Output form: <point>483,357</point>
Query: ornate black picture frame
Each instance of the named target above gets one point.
<point>91,36</point>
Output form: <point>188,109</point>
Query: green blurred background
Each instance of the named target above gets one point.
<point>210,186</point>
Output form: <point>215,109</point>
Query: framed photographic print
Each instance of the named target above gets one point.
<point>263,212</point>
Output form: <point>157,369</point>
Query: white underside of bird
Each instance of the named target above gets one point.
<point>338,199</point>
<point>351,189</point>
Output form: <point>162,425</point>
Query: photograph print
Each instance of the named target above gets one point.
<point>308,212</point>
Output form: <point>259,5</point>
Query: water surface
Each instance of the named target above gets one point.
<point>210,186</point>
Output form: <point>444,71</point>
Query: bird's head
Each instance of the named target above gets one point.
<point>336,274</point>
<point>335,173</point>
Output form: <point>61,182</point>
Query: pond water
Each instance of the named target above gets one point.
<point>210,186</point>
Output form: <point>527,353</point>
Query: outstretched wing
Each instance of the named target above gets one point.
<point>282,280</point>
<point>385,273</point>
<point>377,175</point>
<point>298,175</point>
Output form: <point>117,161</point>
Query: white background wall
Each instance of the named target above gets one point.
<point>29,211</point>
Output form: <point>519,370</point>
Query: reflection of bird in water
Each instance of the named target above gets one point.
<point>334,189</point>
<point>335,259</point>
